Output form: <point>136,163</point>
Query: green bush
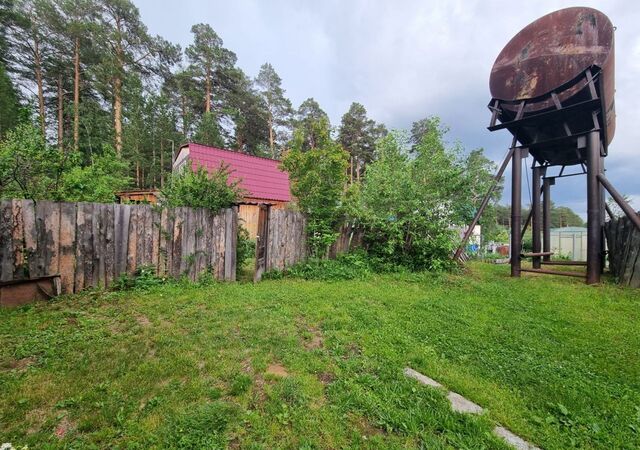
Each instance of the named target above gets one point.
<point>318,176</point>
<point>410,201</point>
<point>144,278</point>
<point>245,248</point>
<point>31,168</point>
<point>201,189</point>
<point>346,266</point>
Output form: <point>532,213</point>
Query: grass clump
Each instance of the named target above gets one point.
<point>200,428</point>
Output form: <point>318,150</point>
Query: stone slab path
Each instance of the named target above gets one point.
<point>463,405</point>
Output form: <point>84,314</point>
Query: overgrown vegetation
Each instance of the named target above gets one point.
<point>318,177</point>
<point>31,168</point>
<point>201,189</point>
<point>412,196</point>
<point>310,364</point>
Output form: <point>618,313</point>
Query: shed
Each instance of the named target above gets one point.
<point>261,178</point>
<point>569,242</point>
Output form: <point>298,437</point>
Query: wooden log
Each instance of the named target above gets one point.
<point>132,248</point>
<point>207,250</point>
<point>16,246</point>
<point>109,245</point>
<point>177,243</point>
<point>148,236</point>
<point>156,218</point>
<point>140,244</point>
<point>221,229</point>
<point>196,239</point>
<point>166,233</point>
<point>188,243</point>
<point>627,269</point>
<point>7,254</point>
<point>30,235</point>
<point>228,245</point>
<point>67,244</point>
<point>633,243</point>
<point>122,219</point>
<point>88,245</point>
<point>48,234</point>
<point>98,234</point>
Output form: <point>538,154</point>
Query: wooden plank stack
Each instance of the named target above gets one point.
<point>92,244</point>
<point>623,241</point>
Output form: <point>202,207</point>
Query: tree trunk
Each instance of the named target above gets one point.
<point>76,95</point>
<point>37,59</point>
<point>138,174</point>
<point>161,163</point>
<point>117,93</point>
<point>60,115</point>
<point>273,152</point>
<point>117,113</point>
<point>184,116</point>
<point>207,100</point>
<point>152,172</point>
<point>351,170</point>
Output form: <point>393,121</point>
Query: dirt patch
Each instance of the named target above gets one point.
<point>64,427</point>
<point>312,335</point>
<point>246,365</point>
<point>366,428</point>
<point>36,418</point>
<point>277,370</point>
<point>326,377</point>
<point>72,321</point>
<point>353,350</point>
<point>315,342</point>
<point>21,364</point>
<point>143,321</point>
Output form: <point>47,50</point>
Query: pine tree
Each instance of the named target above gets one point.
<point>310,113</point>
<point>278,107</point>
<point>358,135</point>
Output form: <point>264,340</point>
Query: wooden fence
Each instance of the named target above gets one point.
<point>287,239</point>
<point>623,241</point>
<point>91,244</point>
<point>350,238</point>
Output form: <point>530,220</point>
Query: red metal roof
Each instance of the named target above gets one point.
<point>260,177</point>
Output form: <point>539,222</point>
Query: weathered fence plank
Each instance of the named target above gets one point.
<point>623,242</point>
<point>89,245</point>
<point>67,246</point>
<point>7,261</point>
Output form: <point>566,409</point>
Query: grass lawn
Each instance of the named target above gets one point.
<point>308,364</point>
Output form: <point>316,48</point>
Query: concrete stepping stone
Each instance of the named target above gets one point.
<point>463,405</point>
<point>513,439</point>
<point>421,378</point>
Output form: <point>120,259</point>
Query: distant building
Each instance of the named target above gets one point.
<point>261,178</point>
<point>139,196</point>
<point>569,242</point>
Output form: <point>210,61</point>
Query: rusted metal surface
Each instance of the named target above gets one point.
<point>22,292</point>
<point>549,54</point>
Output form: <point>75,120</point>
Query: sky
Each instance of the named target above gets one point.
<point>408,59</point>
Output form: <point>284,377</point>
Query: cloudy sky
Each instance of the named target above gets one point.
<point>407,59</point>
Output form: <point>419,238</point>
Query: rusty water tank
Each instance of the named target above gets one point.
<point>551,52</point>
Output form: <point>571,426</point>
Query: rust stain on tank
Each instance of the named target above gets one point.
<point>553,50</point>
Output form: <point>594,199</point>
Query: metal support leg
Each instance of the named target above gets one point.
<point>603,218</point>
<point>536,219</point>
<point>546,217</point>
<point>594,232</point>
<point>516,211</point>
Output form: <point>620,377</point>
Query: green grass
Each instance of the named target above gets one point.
<point>553,360</point>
